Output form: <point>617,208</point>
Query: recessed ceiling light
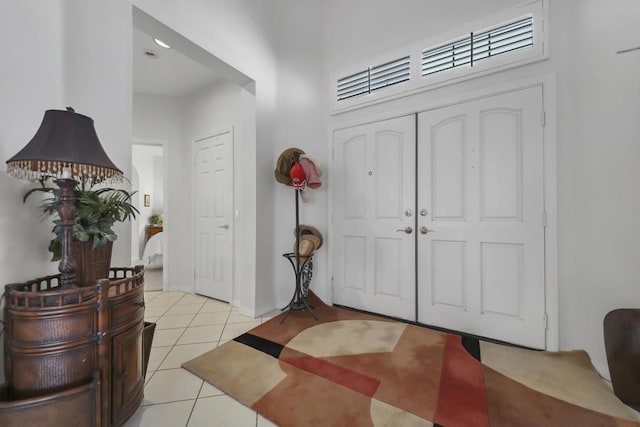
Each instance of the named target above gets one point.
<point>161,43</point>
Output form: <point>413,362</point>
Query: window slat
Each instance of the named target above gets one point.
<point>508,38</point>
<point>451,55</point>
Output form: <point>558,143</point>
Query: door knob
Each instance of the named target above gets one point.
<point>407,229</point>
<point>226,226</point>
<point>425,230</point>
<point>423,212</point>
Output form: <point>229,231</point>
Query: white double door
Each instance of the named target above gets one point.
<point>446,226</point>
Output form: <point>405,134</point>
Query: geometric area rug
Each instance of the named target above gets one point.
<point>355,369</point>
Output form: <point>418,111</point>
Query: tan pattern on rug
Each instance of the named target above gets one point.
<point>566,375</point>
<point>352,369</point>
<point>346,337</point>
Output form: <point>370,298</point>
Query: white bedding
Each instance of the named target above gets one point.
<point>153,250</point>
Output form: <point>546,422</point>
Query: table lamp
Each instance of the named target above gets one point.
<point>65,148</point>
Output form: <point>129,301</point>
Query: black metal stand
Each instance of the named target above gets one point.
<point>299,299</point>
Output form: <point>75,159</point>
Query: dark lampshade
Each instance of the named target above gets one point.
<point>65,139</point>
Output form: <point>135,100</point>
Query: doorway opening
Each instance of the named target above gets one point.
<point>147,230</point>
<point>181,93</point>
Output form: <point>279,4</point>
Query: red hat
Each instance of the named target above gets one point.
<point>298,178</point>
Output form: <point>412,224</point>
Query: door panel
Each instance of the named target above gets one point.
<point>374,176</point>
<point>214,213</point>
<point>480,179</point>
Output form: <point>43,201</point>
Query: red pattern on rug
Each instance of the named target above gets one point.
<point>462,400</point>
<point>337,374</point>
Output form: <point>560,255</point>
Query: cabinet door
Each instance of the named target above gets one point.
<point>127,372</point>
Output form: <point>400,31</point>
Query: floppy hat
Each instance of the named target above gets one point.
<point>308,244</point>
<point>284,163</point>
<point>313,181</point>
<point>306,230</point>
<point>314,161</point>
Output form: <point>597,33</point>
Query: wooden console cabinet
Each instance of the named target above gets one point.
<point>80,351</point>
<point>151,230</point>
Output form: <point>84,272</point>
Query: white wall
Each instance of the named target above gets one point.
<point>157,119</point>
<point>597,134</point>
<point>210,110</point>
<point>255,38</point>
<point>97,83</point>
<point>598,175</point>
<point>300,121</point>
<point>49,61</point>
<point>238,33</point>
<point>30,83</point>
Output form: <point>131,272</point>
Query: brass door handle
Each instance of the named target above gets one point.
<point>407,229</point>
<point>425,230</point>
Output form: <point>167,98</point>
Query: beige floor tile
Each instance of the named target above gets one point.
<point>192,299</point>
<point>170,386</point>
<point>156,357</point>
<point>212,306</point>
<point>236,317</point>
<point>164,415</point>
<point>155,311</point>
<point>161,302</point>
<point>171,294</point>
<point>148,296</point>
<point>209,390</point>
<point>150,318</point>
<point>197,334</point>
<point>184,309</point>
<point>218,318</point>
<point>233,330</point>
<point>173,322</point>
<point>166,337</point>
<point>183,353</point>
<point>224,410</point>
<point>263,422</point>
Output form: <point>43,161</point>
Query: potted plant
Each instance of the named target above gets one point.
<point>97,210</point>
<point>156,219</point>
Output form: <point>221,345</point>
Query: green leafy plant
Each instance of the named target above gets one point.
<point>156,219</point>
<point>97,210</point>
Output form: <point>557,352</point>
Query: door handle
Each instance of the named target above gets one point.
<point>226,226</point>
<point>407,229</point>
<point>425,230</point>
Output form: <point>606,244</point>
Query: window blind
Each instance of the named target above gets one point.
<point>476,47</point>
<point>374,78</point>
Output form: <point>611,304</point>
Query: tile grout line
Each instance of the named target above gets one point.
<point>173,346</point>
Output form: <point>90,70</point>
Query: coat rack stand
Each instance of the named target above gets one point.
<point>299,300</point>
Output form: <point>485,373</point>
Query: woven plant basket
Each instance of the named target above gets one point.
<point>93,264</point>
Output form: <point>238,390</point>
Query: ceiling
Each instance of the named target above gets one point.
<point>169,72</point>
<point>179,71</point>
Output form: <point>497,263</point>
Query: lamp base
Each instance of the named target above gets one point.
<point>67,213</point>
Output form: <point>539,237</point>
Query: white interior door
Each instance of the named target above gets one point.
<point>374,200</point>
<point>213,215</point>
<point>480,192</point>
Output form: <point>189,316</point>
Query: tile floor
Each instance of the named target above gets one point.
<point>187,326</point>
